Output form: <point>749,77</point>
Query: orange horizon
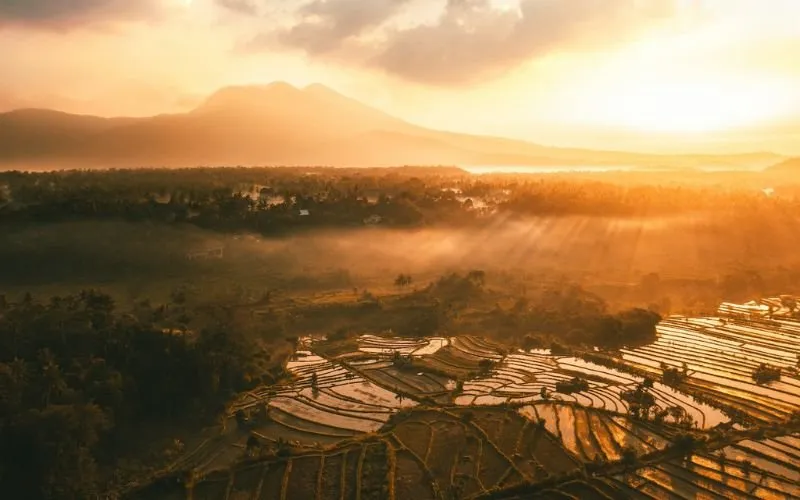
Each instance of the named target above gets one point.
<point>660,76</point>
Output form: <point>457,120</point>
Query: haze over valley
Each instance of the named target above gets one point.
<point>399,249</point>
<point>279,124</point>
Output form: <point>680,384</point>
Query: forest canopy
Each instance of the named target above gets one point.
<point>78,378</point>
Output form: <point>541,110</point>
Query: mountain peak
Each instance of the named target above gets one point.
<point>279,86</point>
<point>790,165</point>
<point>320,89</point>
<point>247,96</point>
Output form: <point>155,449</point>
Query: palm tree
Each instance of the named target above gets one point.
<point>18,380</point>
<point>189,482</point>
<point>629,458</point>
<point>402,280</point>
<point>253,446</point>
<point>52,381</point>
<point>721,459</point>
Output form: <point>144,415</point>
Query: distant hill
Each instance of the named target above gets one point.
<point>282,124</point>
<point>792,165</point>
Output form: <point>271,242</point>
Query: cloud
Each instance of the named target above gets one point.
<point>66,13</point>
<point>246,7</point>
<point>471,39</point>
<point>324,25</point>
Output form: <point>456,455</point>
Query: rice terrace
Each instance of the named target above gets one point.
<point>711,410</point>
<point>399,250</point>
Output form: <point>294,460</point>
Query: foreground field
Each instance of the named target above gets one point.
<point>462,417</point>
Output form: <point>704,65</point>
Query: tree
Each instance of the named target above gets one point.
<point>241,418</point>
<point>558,349</point>
<point>49,453</point>
<point>51,381</point>
<point>477,277</point>
<point>402,361</point>
<point>576,384</point>
<point>424,322</point>
<point>282,448</point>
<point>685,444</point>
<point>486,365</point>
<point>789,302</point>
<point>178,296</point>
<point>402,280</point>
<point>531,342</point>
<point>629,457</point>
<point>764,374</point>
<point>253,446</point>
<point>640,400</point>
<point>673,377</point>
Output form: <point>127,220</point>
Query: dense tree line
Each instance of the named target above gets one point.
<point>77,378</point>
<point>269,200</point>
<point>577,317</point>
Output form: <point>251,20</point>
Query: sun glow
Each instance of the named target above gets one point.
<point>659,85</point>
<point>688,106</point>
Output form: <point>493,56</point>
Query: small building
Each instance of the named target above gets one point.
<point>304,213</point>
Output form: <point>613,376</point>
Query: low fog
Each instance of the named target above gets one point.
<point>606,248</point>
<point>589,250</point>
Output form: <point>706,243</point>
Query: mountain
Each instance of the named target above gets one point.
<point>282,124</point>
<point>789,166</point>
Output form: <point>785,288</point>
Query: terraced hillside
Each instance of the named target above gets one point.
<point>462,417</point>
<point>722,354</point>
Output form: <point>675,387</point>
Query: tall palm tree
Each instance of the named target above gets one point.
<point>52,381</point>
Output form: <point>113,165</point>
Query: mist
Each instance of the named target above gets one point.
<point>592,251</point>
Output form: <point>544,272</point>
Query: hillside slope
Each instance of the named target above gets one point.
<point>789,166</point>
<point>281,124</point>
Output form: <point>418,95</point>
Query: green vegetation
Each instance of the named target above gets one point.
<point>575,384</point>
<point>765,374</point>
<point>672,376</point>
<point>640,400</point>
<point>268,200</point>
<point>575,316</point>
<point>201,282</point>
<point>79,380</point>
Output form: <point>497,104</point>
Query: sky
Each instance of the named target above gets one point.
<point>646,75</point>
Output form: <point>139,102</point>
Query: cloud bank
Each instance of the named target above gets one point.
<point>71,13</point>
<point>470,40</point>
<point>325,24</point>
<point>247,7</point>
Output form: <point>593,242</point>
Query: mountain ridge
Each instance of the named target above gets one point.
<point>790,165</point>
<point>279,123</point>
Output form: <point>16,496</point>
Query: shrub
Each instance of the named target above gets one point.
<point>486,365</point>
<point>576,384</point>
<point>765,374</point>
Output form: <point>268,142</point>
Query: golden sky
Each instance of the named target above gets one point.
<point>651,75</point>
